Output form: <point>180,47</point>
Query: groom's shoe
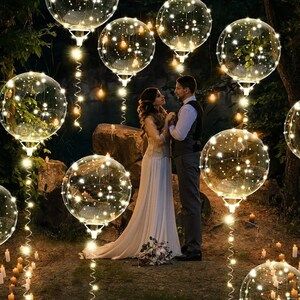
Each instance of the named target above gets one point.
<point>184,249</point>
<point>190,256</point>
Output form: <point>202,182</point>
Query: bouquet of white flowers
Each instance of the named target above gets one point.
<point>154,253</point>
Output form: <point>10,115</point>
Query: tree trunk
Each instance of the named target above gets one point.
<point>288,70</point>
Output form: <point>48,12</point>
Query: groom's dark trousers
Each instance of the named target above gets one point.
<point>188,172</point>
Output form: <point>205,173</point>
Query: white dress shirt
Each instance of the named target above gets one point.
<point>186,117</point>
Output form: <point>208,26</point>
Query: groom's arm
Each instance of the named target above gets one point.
<point>185,121</point>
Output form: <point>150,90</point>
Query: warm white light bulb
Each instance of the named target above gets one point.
<point>27,163</point>
<point>229,219</point>
<point>91,246</point>
<point>122,92</point>
<point>26,250</point>
<point>244,102</point>
<point>76,53</point>
<point>95,287</point>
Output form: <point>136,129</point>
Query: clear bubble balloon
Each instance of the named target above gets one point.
<point>292,129</point>
<point>33,107</point>
<point>183,25</point>
<point>126,46</point>
<point>80,15</point>
<point>248,50</point>
<point>234,164</point>
<point>271,280</point>
<point>8,215</point>
<point>96,190</point>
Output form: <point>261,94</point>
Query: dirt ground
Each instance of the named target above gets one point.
<point>61,275</point>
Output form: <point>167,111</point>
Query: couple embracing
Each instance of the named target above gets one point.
<point>154,210</point>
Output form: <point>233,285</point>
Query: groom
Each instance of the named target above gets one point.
<point>186,134</point>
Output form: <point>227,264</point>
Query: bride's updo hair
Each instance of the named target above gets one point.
<point>146,108</point>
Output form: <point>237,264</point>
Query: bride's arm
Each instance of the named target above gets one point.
<point>153,133</point>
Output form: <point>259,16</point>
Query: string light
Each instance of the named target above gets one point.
<point>26,250</point>
<point>234,164</point>
<point>126,46</point>
<point>27,164</point>
<point>248,50</point>
<point>212,98</point>
<point>9,213</point>
<point>180,68</point>
<point>82,18</point>
<point>96,179</point>
<point>183,25</point>
<point>271,280</point>
<point>76,53</point>
<point>238,117</point>
<point>101,93</point>
<point>229,219</point>
<point>291,131</point>
<point>244,102</point>
<point>34,123</point>
<point>122,92</point>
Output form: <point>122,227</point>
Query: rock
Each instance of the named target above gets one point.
<point>267,192</point>
<point>50,175</point>
<point>135,174</point>
<point>123,143</point>
<point>53,216</point>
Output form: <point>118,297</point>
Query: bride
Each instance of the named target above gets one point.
<point>154,210</point>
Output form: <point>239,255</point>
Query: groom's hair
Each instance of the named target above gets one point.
<point>188,81</point>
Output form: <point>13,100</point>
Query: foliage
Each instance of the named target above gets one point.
<point>268,108</point>
<point>254,43</point>
<point>19,37</point>
<point>154,253</point>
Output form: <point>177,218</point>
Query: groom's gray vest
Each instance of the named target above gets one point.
<point>191,143</point>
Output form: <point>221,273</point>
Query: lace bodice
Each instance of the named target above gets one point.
<point>158,144</point>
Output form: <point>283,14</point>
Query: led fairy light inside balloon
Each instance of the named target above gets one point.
<point>8,215</point>
<point>183,25</point>
<point>99,182</point>
<point>126,46</point>
<point>33,108</point>
<point>81,17</point>
<point>104,189</point>
<point>291,129</point>
<point>235,164</point>
<point>228,156</point>
<point>248,50</point>
<point>271,280</point>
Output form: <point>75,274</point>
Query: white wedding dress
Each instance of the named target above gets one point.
<point>153,214</point>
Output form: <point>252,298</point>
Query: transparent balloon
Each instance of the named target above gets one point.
<point>234,164</point>
<point>292,129</point>
<point>8,215</point>
<point>248,50</point>
<point>271,280</point>
<point>183,25</point>
<point>80,16</point>
<point>34,107</point>
<point>96,190</point>
<point>126,46</point>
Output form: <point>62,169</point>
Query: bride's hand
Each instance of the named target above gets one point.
<point>170,117</point>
